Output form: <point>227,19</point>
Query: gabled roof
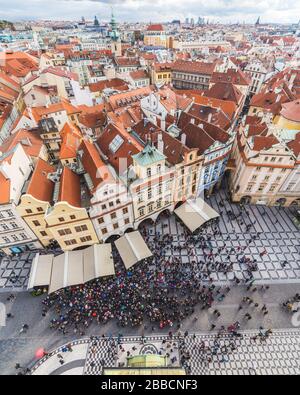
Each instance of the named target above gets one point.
<point>225,91</point>
<point>211,115</point>
<point>122,157</point>
<point>291,110</point>
<point>4,189</point>
<point>71,139</point>
<point>294,145</point>
<point>236,77</point>
<point>155,28</point>
<point>173,149</point>
<point>40,187</point>
<point>139,75</point>
<point>262,143</point>
<point>31,143</point>
<point>93,164</point>
<point>63,105</point>
<point>201,134</point>
<point>70,190</point>
<point>194,67</point>
<point>115,83</point>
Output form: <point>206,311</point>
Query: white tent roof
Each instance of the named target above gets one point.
<point>58,275</point>
<point>98,262</point>
<point>71,268</point>
<point>194,213</point>
<point>41,268</point>
<point>132,248</point>
<point>74,269</point>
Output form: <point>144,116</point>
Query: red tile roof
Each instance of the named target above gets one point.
<point>115,83</point>
<point>93,164</point>
<point>294,145</point>
<point>4,189</point>
<point>201,134</point>
<point>236,77</point>
<point>262,143</point>
<point>173,149</point>
<point>225,91</point>
<point>71,139</point>
<point>291,110</point>
<point>211,115</point>
<point>40,187</point>
<point>122,158</point>
<point>155,28</point>
<point>70,190</point>
<point>31,143</point>
<point>194,67</point>
<point>139,75</point>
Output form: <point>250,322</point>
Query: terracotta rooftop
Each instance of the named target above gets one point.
<point>70,190</point>
<point>31,143</point>
<point>93,164</point>
<point>71,139</point>
<point>211,115</point>
<point>201,134</point>
<point>236,77</point>
<point>4,189</point>
<point>194,67</point>
<point>121,156</point>
<point>225,91</point>
<point>113,83</point>
<point>40,187</point>
<point>262,143</point>
<point>173,149</point>
<point>291,110</point>
<point>139,75</point>
<point>155,28</point>
<point>294,145</point>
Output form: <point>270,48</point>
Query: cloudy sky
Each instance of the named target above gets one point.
<point>153,10</point>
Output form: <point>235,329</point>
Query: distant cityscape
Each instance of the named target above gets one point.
<point>150,178</point>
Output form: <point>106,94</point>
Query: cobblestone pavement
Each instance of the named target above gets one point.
<point>279,354</point>
<point>14,271</point>
<point>278,236</point>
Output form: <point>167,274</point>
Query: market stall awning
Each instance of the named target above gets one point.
<point>74,268</point>
<point>98,262</point>
<point>195,213</point>
<point>41,269</point>
<point>132,248</point>
<point>58,273</point>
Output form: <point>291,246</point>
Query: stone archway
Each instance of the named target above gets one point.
<point>178,204</point>
<point>128,230</point>
<point>245,200</point>
<point>295,203</point>
<point>280,202</point>
<point>111,239</point>
<point>164,214</point>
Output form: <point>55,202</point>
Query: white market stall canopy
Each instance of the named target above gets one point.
<point>72,267</point>
<point>132,248</point>
<point>41,268</point>
<point>195,213</point>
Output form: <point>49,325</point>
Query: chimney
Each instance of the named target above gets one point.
<point>160,143</point>
<point>183,138</point>
<point>193,121</point>
<point>209,117</point>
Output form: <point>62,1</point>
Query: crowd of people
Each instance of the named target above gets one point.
<point>161,291</point>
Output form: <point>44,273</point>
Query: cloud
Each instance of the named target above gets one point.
<point>154,10</point>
